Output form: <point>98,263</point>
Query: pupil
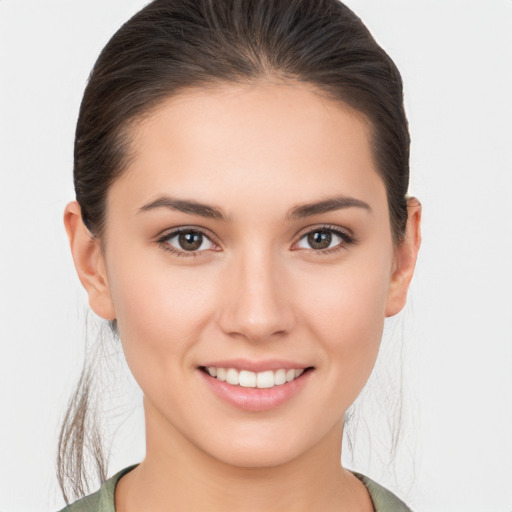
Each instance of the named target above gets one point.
<point>190,241</point>
<point>320,239</point>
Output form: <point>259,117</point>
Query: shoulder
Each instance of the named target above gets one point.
<point>100,501</point>
<point>103,499</point>
<point>89,503</point>
<point>383,500</point>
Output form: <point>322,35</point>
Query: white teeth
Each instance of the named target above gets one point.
<point>247,379</point>
<point>280,377</point>
<point>265,379</point>
<point>232,377</point>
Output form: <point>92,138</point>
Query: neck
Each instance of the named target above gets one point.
<point>176,474</point>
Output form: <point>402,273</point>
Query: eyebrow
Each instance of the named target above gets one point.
<point>327,205</point>
<point>185,206</point>
<point>298,212</point>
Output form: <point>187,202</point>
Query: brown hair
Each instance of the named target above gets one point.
<point>171,45</point>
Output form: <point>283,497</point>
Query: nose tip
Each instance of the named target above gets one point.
<point>256,305</point>
<point>259,326</point>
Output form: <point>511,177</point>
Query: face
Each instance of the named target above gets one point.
<point>249,239</point>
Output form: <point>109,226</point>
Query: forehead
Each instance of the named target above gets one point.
<point>275,140</point>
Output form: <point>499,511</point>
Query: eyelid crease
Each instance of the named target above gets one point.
<point>344,233</point>
<point>169,234</point>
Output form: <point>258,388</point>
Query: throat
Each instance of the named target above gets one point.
<point>240,489</point>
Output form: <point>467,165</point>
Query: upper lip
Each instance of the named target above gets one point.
<point>257,366</point>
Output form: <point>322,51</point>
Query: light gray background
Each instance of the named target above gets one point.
<point>456,60</point>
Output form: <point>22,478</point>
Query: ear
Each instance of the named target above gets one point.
<point>89,262</point>
<point>405,259</point>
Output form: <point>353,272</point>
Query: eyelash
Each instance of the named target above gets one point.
<point>347,239</point>
<point>163,241</point>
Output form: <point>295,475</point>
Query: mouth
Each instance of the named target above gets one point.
<point>248,379</point>
<point>256,386</point>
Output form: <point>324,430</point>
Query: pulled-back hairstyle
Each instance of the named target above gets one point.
<point>172,45</point>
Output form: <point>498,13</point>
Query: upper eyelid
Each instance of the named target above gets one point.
<point>169,234</point>
<point>172,232</point>
<point>325,227</point>
<point>348,239</point>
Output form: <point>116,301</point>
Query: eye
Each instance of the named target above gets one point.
<point>323,239</point>
<point>188,241</point>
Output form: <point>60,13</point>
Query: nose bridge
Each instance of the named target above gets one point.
<point>256,304</point>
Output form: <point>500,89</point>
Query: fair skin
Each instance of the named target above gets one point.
<point>268,285</point>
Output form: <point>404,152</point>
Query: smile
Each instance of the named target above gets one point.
<point>256,386</point>
<point>248,379</point>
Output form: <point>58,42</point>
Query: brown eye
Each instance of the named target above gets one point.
<point>320,239</point>
<point>190,241</point>
<point>187,241</point>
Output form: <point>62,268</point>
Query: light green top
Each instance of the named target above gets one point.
<point>103,499</point>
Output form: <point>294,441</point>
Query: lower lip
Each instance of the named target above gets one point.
<point>256,399</point>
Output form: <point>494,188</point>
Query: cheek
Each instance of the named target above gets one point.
<point>160,313</point>
<point>351,296</point>
<point>346,312</point>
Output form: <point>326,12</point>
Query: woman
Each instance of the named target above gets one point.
<point>241,171</point>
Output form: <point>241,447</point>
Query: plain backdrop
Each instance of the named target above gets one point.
<point>456,60</point>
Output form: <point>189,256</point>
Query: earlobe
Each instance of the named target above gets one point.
<point>89,262</point>
<point>405,260</point>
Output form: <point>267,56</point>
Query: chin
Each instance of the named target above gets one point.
<point>257,458</point>
<point>257,450</point>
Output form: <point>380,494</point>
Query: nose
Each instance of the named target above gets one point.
<point>256,303</point>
